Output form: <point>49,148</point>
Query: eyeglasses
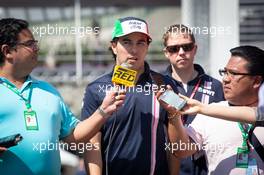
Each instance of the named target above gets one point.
<point>232,74</point>
<point>33,44</point>
<point>175,48</point>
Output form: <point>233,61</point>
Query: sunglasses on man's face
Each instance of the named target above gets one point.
<point>175,48</point>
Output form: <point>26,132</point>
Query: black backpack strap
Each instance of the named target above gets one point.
<point>254,140</point>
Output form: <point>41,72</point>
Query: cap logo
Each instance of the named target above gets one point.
<point>129,25</point>
<point>135,25</point>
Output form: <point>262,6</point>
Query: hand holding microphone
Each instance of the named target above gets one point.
<point>9,141</point>
<point>112,102</point>
<point>122,76</point>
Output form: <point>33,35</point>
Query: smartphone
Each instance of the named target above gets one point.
<point>11,140</point>
<point>173,99</point>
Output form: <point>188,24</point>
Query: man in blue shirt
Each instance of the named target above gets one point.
<point>133,140</point>
<point>35,109</point>
<point>190,80</point>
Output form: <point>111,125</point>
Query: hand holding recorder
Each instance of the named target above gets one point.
<point>9,141</point>
<point>171,101</point>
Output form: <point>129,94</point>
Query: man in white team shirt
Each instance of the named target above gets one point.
<point>222,140</point>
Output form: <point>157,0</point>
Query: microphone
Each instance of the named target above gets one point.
<point>123,75</point>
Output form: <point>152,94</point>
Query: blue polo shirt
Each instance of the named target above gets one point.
<point>133,138</point>
<point>38,152</point>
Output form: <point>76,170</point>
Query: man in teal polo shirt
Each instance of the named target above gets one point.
<point>36,110</point>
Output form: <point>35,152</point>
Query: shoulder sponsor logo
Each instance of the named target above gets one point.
<point>206,91</point>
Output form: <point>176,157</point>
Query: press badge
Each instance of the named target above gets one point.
<point>242,158</point>
<point>252,167</point>
<point>31,120</point>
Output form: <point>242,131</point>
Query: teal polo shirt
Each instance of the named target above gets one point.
<point>38,152</point>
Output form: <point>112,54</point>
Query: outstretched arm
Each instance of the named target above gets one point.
<point>86,129</point>
<point>233,113</point>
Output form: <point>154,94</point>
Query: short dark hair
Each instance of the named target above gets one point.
<point>115,40</point>
<point>177,29</point>
<point>254,56</point>
<point>110,47</point>
<point>9,30</point>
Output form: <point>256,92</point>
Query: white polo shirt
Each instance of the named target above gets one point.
<point>220,140</point>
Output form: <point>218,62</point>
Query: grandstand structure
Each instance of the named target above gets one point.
<point>57,59</point>
<point>252,22</point>
<point>58,51</point>
<point>57,39</point>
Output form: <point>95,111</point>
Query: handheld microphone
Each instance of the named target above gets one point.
<point>123,75</point>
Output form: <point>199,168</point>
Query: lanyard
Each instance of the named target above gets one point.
<point>245,130</point>
<point>195,88</point>
<point>16,91</point>
<point>184,118</point>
